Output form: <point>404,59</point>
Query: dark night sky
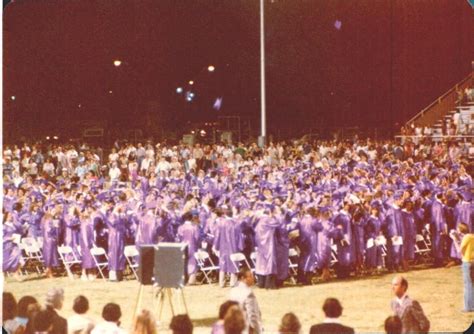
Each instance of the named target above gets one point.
<point>388,60</point>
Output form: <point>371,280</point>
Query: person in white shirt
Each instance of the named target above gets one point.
<point>114,172</point>
<point>79,322</point>
<point>111,315</point>
<point>243,294</point>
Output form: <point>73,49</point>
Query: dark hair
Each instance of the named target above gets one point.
<point>111,312</point>
<point>9,306</point>
<point>225,307</point>
<point>243,272</point>
<point>393,325</point>
<point>404,282</point>
<point>290,324</point>
<point>332,308</point>
<point>81,304</point>
<point>181,324</point>
<point>463,228</point>
<point>23,304</point>
<point>42,321</point>
<point>234,321</point>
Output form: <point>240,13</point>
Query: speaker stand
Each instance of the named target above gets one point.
<point>139,300</point>
<point>166,293</point>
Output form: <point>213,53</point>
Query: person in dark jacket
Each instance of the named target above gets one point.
<point>54,301</point>
<point>333,310</point>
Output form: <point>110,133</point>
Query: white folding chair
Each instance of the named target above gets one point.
<point>69,259</point>
<point>131,254</point>
<point>40,241</point>
<point>333,254</point>
<point>101,259</point>
<point>33,257</point>
<point>293,265</point>
<point>206,265</point>
<point>238,260</point>
<point>253,258</point>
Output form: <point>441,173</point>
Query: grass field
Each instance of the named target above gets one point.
<point>365,301</point>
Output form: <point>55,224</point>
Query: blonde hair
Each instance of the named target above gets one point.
<point>144,323</point>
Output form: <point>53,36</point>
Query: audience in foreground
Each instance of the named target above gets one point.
<point>333,310</point>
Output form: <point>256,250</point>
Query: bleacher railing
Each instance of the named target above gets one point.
<point>442,105</point>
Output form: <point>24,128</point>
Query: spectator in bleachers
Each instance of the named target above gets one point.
<point>79,321</point>
<point>144,323</point>
<point>111,314</point>
<point>181,324</point>
<point>290,324</point>
<point>393,325</point>
<point>218,327</point>
<point>333,310</point>
<point>234,321</point>
<point>25,306</point>
<point>54,301</point>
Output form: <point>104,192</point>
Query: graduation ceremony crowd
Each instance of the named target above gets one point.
<point>356,207</point>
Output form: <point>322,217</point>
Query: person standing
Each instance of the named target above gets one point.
<point>467,252</point>
<point>243,294</point>
<point>228,240</point>
<point>11,249</point>
<point>408,310</point>
<point>266,262</point>
<point>116,222</point>
<point>189,233</point>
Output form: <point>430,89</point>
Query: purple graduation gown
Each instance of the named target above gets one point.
<point>11,251</point>
<point>282,246</point>
<point>409,235</point>
<point>437,225</point>
<point>308,243</point>
<point>345,254</point>
<point>373,257</point>
<point>146,229</point>
<point>228,240</point>
<point>324,245</point>
<point>117,226</point>
<point>462,214</point>
<point>86,241</point>
<point>189,233</point>
<point>394,225</point>
<point>265,242</point>
<point>50,241</point>
<point>72,232</point>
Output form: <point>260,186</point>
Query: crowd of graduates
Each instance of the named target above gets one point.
<point>358,205</point>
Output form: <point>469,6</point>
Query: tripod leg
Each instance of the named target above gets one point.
<point>139,299</point>
<point>161,295</point>
<point>184,300</point>
<point>170,300</point>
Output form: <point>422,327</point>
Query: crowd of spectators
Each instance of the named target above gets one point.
<point>29,316</point>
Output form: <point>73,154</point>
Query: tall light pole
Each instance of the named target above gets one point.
<point>263,134</point>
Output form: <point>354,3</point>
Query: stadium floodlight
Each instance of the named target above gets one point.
<point>117,63</point>
<point>211,68</point>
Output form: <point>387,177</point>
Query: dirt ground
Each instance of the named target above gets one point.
<point>365,301</point>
